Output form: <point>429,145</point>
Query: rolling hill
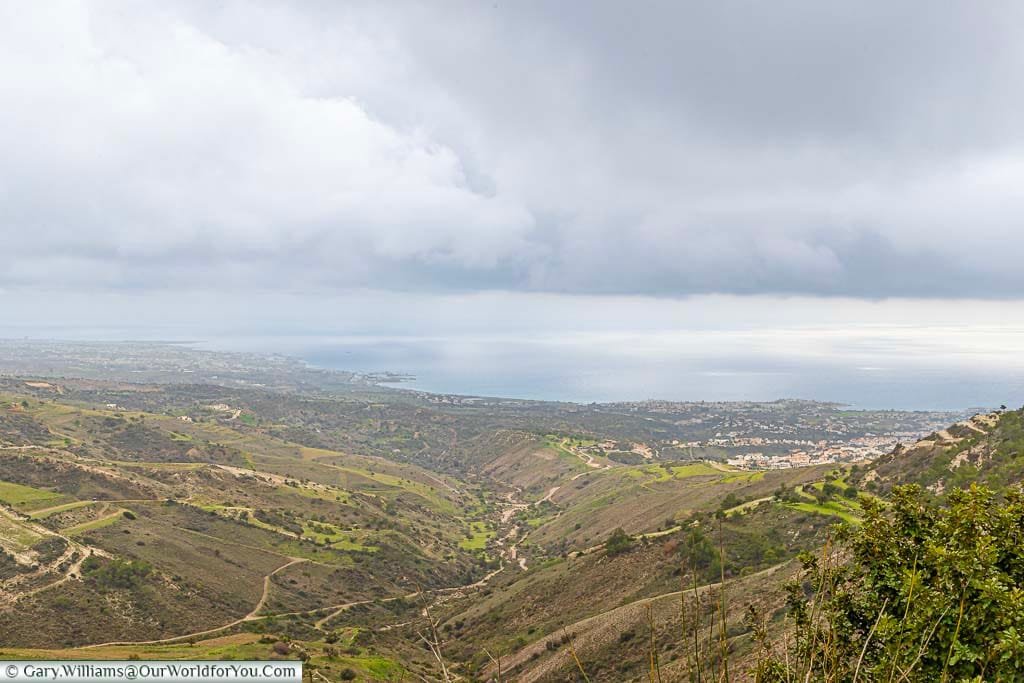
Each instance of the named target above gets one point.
<point>187,521</point>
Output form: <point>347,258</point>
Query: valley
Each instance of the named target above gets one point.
<point>371,532</point>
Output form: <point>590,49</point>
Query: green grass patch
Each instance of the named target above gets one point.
<point>633,472</point>
<point>95,524</point>
<point>830,509</point>
<point>335,495</point>
<point>383,669</point>
<point>238,646</point>
<point>696,469</point>
<point>354,546</point>
<point>322,533</point>
<point>479,535</point>
<point>26,497</point>
<point>745,477</point>
<point>17,536</point>
<point>557,444</point>
<point>659,473</point>
<point>803,494</point>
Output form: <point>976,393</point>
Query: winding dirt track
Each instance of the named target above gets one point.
<point>331,610</point>
<point>41,513</point>
<point>251,616</point>
<point>73,570</point>
<point>266,589</point>
<point>551,492</point>
<point>9,597</point>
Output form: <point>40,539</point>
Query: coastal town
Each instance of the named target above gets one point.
<point>822,452</point>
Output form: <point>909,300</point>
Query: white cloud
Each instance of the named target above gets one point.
<point>682,149</point>
<point>132,141</point>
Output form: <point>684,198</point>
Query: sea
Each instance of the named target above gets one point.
<point>862,370</point>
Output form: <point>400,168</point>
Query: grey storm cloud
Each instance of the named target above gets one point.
<point>659,148</point>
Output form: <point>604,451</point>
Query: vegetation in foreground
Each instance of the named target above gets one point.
<point>929,593</point>
<point>920,591</point>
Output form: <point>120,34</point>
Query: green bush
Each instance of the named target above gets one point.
<point>111,574</point>
<point>928,593</point>
<point>618,543</point>
<point>731,500</point>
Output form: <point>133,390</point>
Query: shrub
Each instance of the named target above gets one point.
<point>115,573</point>
<point>731,500</point>
<point>931,593</point>
<point>618,543</point>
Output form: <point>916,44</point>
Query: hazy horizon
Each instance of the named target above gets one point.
<point>907,367</point>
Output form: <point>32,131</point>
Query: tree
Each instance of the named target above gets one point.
<point>699,554</point>
<point>928,593</point>
<point>618,543</point>
<point>731,500</point>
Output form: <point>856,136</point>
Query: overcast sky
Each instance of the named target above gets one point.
<point>554,151</point>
